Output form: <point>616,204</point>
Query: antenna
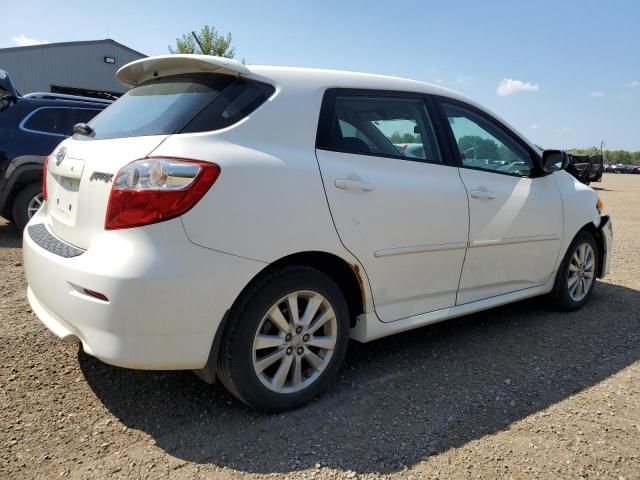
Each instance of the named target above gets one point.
<point>197,41</point>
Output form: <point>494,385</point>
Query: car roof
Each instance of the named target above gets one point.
<point>327,78</point>
<point>49,102</point>
<point>312,79</point>
<point>321,79</point>
<point>139,71</point>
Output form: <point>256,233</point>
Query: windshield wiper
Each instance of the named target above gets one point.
<point>83,129</point>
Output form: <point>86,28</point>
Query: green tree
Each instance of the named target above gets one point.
<point>397,137</point>
<point>610,156</point>
<point>505,154</point>
<point>212,43</point>
<point>484,147</point>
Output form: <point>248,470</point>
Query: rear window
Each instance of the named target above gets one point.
<point>181,103</point>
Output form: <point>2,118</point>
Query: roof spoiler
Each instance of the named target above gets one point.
<point>135,73</point>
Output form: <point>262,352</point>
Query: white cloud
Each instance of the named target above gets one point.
<point>597,94</point>
<point>565,130</point>
<point>439,81</point>
<point>464,79</point>
<point>534,126</point>
<point>509,86</point>
<point>23,41</point>
<point>634,84</point>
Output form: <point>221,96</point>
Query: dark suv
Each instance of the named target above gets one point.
<point>30,128</point>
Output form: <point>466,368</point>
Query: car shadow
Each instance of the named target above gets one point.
<point>399,399</point>
<point>10,236</point>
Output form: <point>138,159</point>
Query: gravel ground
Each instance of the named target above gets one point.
<point>520,391</point>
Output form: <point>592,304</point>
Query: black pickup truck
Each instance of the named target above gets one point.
<point>586,168</point>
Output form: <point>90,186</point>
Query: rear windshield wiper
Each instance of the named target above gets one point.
<point>83,129</point>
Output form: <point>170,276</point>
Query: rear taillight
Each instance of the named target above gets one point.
<point>44,178</point>
<point>151,190</point>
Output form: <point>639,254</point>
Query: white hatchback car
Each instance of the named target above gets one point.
<point>246,221</point>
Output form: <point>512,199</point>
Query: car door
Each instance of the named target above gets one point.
<point>397,207</point>
<point>515,226</point>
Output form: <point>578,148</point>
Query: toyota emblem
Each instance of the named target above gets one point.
<point>60,155</point>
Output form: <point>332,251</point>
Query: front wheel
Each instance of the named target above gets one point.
<point>285,340</point>
<point>577,274</point>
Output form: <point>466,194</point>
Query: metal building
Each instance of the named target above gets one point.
<point>80,68</point>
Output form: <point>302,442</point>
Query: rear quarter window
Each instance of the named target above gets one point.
<point>232,105</point>
<point>57,120</point>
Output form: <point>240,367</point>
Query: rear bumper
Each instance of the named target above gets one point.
<point>606,229</point>
<point>166,296</point>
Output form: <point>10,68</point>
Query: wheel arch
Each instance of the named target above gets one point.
<point>21,177</point>
<point>597,234</point>
<point>349,277</point>
<point>595,231</point>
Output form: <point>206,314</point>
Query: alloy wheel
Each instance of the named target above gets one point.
<point>34,205</point>
<point>581,272</point>
<point>294,342</point>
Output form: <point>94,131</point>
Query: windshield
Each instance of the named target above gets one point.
<point>158,107</point>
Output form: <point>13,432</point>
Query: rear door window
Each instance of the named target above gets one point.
<point>390,126</point>
<point>181,103</point>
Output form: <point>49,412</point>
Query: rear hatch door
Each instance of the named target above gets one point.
<point>168,91</point>
<point>82,170</point>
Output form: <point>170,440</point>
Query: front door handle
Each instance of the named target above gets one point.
<point>346,184</point>
<point>484,194</point>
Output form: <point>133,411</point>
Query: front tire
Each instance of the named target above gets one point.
<point>285,340</point>
<point>576,276</point>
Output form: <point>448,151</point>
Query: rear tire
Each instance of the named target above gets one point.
<point>576,276</point>
<point>26,204</point>
<point>273,359</point>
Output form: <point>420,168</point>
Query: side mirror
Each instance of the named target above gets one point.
<point>554,160</point>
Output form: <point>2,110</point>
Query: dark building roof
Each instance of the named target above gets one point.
<point>68,67</point>
<point>69,44</point>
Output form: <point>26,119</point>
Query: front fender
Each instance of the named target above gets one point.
<point>578,209</point>
<point>606,235</point>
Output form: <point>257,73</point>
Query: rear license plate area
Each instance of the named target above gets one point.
<point>66,196</point>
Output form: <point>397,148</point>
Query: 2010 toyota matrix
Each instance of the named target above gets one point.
<point>246,221</point>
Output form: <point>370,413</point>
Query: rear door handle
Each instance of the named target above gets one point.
<point>484,194</point>
<point>345,184</point>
